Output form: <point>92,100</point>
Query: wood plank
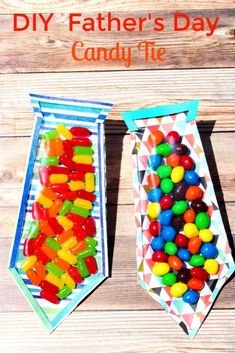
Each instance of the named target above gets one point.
<point>127,90</point>
<point>132,332</point>
<point>11,6</point>
<point>28,51</point>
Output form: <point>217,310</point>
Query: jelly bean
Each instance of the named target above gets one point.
<point>28,263</point>
<point>76,185</point>
<point>53,244</point>
<point>164,171</point>
<point>189,216</point>
<point>53,169</point>
<point>177,174</point>
<point>159,256</point>
<point>154,161</point>
<point>46,161</point>
<point>55,225</point>
<point>91,265</point>
<point>164,149</point>
<point>38,211</point>
<point>199,206</point>
<point>206,235</point>
<point>211,266</point>
<point>81,141</point>
<point>42,256</point>
<point>68,148</point>
<point>155,138</point>
<point>45,228</point>
<point>43,175</point>
<point>73,272</point>
<point>184,275</point>
<point>82,268</point>
<point>55,208</point>
<point>175,263</point>
<point>68,280</point>
<point>160,268</point>
<point>62,264</point>
<point>168,233</point>
<point>67,161</point>
<point>190,230</point>
<point>44,201</point>
<point>87,252</point>
<point>90,182</point>
<point>49,287</point>
<point>64,292</point>
<point>173,160</point>
<point>76,218</point>
<point>49,296</point>
<point>70,195</point>
<point>79,232</point>
<point>80,131</point>
<point>187,162</point>
<point>59,148</point>
<point>79,211</point>
<point>39,240</point>
<point>194,245</point>
<point>69,243</point>
<point>82,194</point>
<point>28,248</point>
<point>40,269</point>
<point>154,195</point>
<point>209,251</point>
<point>165,217</point>
<point>178,289</point>
<point>178,222</point>
<point>169,279</point>
<point>193,193</point>
<point>191,177</point>
<point>57,271</point>
<point>180,191</point>
<point>172,137</point>
<point>89,226</point>
<point>167,186</point>
<point>50,135</point>
<point>157,243</point>
<point>58,178</point>
<point>80,246</point>
<point>82,159</point>
<point>199,273</point>
<point>191,297</point>
<point>197,260</point>
<point>170,248</point>
<point>91,242</point>
<point>33,230</point>
<point>63,131</point>
<point>184,254</point>
<point>166,202</point>
<point>202,220</point>
<point>196,284</point>
<point>60,188</point>
<point>51,278</point>
<point>66,256</point>
<point>76,176</point>
<point>65,208</point>
<point>65,222</point>
<point>49,147</point>
<point>83,150</point>
<point>48,251</point>
<point>180,149</point>
<point>154,228</point>
<point>153,180</point>
<point>153,209</point>
<point>181,241</point>
<point>179,207</point>
<point>84,168</point>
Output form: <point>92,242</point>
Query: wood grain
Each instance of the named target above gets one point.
<point>28,51</point>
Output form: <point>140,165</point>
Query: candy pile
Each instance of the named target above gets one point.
<point>183,252</point>
<point>60,246</point>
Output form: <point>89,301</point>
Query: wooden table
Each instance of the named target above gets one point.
<point>119,316</point>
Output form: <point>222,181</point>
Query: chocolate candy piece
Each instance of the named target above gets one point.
<point>202,220</point>
<point>199,273</point>
<point>179,207</point>
<point>164,149</point>
<point>165,217</point>
<point>180,191</point>
<point>178,222</point>
<point>166,202</point>
<point>164,171</point>
<point>167,186</point>
<point>181,241</point>
<point>199,206</point>
<point>209,251</point>
<point>191,297</point>
<point>169,279</point>
<point>154,228</point>
<point>159,256</point>
<point>187,162</point>
<point>172,137</point>
<point>180,149</point>
<point>184,275</point>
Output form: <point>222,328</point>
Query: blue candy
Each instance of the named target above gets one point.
<point>157,243</point>
<point>154,161</point>
<point>209,251</point>
<point>168,233</point>
<point>191,177</point>
<point>184,254</point>
<point>165,217</point>
<point>191,296</point>
<point>154,195</point>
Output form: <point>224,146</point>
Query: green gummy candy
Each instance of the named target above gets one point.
<point>64,292</point>
<point>83,150</point>
<point>51,267</point>
<point>65,208</point>
<point>87,252</point>
<point>79,211</point>
<point>50,135</point>
<point>91,242</point>
<point>82,268</point>
<point>33,230</point>
<point>47,161</point>
<point>53,244</point>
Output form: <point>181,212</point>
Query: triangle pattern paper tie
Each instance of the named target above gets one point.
<point>166,267</point>
<point>59,253</point>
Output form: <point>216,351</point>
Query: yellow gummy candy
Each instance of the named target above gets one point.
<point>83,159</point>
<point>63,131</point>
<point>69,243</point>
<point>58,178</point>
<point>87,205</point>
<point>44,201</point>
<point>67,279</point>
<point>66,256</point>
<point>76,185</point>
<point>90,182</point>
<point>28,263</point>
<point>65,222</point>
<point>53,279</point>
